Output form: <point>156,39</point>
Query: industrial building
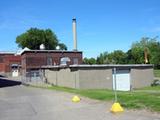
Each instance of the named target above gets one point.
<point>33,60</point>
<point>66,68</point>
<point>10,64</point>
<point>128,77</point>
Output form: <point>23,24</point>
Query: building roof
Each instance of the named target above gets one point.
<point>19,52</point>
<point>49,51</point>
<point>103,66</point>
<point>113,65</point>
<point>6,52</point>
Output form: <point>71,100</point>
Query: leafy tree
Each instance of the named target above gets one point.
<point>154,53</point>
<point>34,37</point>
<point>152,47</point>
<point>137,54</point>
<point>62,46</point>
<point>117,57</point>
<point>130,57</point>
<point>89,61</point>
<point>102,58</point>
<point>138,49</point>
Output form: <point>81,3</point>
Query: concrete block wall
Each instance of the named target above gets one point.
<point>81,78</point>
<point>51,76</point>
<point>141,77</point>
<point>63,77</point>
<point>95,78</point>
<point>68,78</point>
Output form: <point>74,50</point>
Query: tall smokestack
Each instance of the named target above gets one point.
<point>74,34</point>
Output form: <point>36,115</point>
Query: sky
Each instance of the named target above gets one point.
<point>102,25</point>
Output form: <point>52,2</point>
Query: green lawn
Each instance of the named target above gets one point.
<point>157,73</point>
<point>146,98</point>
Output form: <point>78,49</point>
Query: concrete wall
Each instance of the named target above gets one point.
<point>81,78</point>
<point>51,76</point>
<point>68,78</point>
<point>141,77</point>
<point>63,77</point>
<point>97,78</point>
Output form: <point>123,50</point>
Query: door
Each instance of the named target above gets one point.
<point>122,80</point>
<point>15,73</point>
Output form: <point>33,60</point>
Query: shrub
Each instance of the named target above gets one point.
<point>156,83</point>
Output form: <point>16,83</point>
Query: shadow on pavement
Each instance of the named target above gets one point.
<point>2,76</point>
<point>7,83</point>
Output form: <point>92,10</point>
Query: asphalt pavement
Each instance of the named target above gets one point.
<point>18,102</point>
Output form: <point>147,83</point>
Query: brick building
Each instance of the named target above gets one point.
<point>10,63</point>
<point>65,68</point>
<point>33,60</point>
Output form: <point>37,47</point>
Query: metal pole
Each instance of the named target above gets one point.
<point>56,78</point>
<point>74,33</point>
<point>115,84</point>
<point>75,80</point>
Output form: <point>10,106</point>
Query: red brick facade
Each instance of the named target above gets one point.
<point>7,60</point>
<point>33,59</point>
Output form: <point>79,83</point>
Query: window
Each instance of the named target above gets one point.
<point>64,60</point>
<point>49,61</point>
<point>75,60</point>
<point>1,59</point>
<point>14,66</point>
<point>34,73</point>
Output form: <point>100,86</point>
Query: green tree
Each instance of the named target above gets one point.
<point>117,57</point>
<point>130,58</point>
<point>154,52</point>
<point>89,61</point>
<point>152,47</point>
<point>137,54</point>
<point>102,58</point>
<point>62,46</point>
<point>34,37</point>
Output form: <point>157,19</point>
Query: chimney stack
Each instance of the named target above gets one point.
<point>74,34</point>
